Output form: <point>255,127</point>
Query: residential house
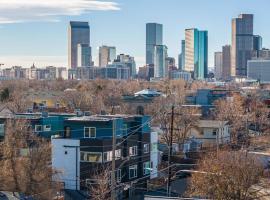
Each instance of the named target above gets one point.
<point>210,132</point>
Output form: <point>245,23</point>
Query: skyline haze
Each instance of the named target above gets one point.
<point>122,24</point>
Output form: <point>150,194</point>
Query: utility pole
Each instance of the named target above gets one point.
<point>170,154</point>
<point>113,185</point>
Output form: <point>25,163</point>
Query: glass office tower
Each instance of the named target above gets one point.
<point>242,44</point>
<point>84,55</point>
<point>154,37</point>
<point>196,52</point>
<point>160,55</point>
<point>78,33</point>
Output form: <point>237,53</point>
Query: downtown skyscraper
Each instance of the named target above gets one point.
<point>106,55</point>
<point>78,36</point>
<point>196,52</point>
<point>242,44</point>
<point>160,67</point>
<point>154,37</point>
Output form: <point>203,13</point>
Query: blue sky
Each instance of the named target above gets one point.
<point>36,30</point>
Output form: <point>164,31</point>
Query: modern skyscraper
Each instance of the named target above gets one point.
<point>226,62</point>
<point>84,58</point>
<point>160,55</point>
<point>196,52</point>
<point>242,44</point>
<point>257,42</point>
<point>107,55</point>
<point>154,37</point>
<point>78,33</point>
<point>183,46</point>
<point>218,65</point>
<point>180,66</point>
<point>181,58</point>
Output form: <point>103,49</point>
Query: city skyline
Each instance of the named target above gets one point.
<point>20,40</point>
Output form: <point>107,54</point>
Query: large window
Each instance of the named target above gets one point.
<point>89,132</point>
<point>38,128</point>
<point>133,151</point>
<point>146,168</point>
<point>91,156</point>
<point>146,148</point>
<point>133,171</point>
<point>107,156</point>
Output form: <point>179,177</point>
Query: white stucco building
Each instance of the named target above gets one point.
<point>209,132</point>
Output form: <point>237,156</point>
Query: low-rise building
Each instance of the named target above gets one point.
<point>178,74</point>
<point>210,132</point>
<point>259,70</point>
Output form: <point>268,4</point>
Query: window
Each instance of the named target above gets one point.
<point>125,129</point>
<point>107,156</point>
<point>146,148</point>
<point>67,132</point>
<point>2,129</point>
<point>24,152</point>
<point>132,171</point>
<point>146,168</point>
<point>118,176</point>
<point>91,156</point>
<point>215,132</point>
<point>38,128</point>
<point>118,154</point>
<point>133,151</point>
<point>47,127</point>
<point>89,132</point>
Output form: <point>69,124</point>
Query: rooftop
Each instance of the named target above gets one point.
<point>148,92</point>
<point>211,123</point>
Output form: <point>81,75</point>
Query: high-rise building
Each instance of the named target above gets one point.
<point>84,58</point>
<point>78,33</point>
<point>226,62</point>
<point>154,37</point>
<point>218,65</point>
<point>180,66</point>
<point>257,42</point>
<point>126,61</point>
<point>170,63</point>
<point>242,44</point>
<point>183,46</point>
<point>160,55</point>
<point>107,55</point>
<point>196,52</point>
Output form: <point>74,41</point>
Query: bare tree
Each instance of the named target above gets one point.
<point>25,160</point>
<point>186,117</point>
<point>233,111</point>
<point>100,189</point>
<point>258,114</point>
<point>230,175</point>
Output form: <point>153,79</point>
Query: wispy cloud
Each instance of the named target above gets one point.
<point>19,11</point>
